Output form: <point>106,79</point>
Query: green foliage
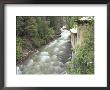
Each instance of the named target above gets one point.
<point>42,29</point>
<point>36,42</point>
<point>18,53</point>
<point>26,26</point>
<point>33,31</point>
<point>30,26</point>
<point>20,25</point>
<point>83,63</point>
<point>51,33</point>
<point>56,23</point>
<point>71,21</point>
<point>19,44</point>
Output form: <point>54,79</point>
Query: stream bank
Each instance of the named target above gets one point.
<point>51,58</point>
<point>27,53</point>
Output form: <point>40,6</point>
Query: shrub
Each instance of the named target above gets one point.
<point>83,63</point>
<point>18,52</point>
<point>19,44</point>
<point>36,42</point>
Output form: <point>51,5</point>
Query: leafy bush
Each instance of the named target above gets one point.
<point>51,32</point>
<point>83,63</point>
<point>18,52</point>
<point>19,44</point>
<point>36,42</point>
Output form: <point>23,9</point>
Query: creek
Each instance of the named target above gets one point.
<point>51,59</point>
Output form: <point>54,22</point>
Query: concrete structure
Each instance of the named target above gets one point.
<point>74,36</point>
<point>77,34</point>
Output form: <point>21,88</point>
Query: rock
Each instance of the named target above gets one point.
<point>61,64</point>
<point>64,72</point>
<point>67,63</point>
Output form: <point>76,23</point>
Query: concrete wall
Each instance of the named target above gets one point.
<point>77,38</point>
<point>73,39</point>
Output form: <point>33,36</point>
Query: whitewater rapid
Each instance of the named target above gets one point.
<point>51,58</point>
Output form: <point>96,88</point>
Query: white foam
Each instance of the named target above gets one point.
<point>65,34</point>
<point>52,43</point>
<point>44,53</point>
<point>73,30</point>
<point>18,70</point>
<point>54,57</point>
<point>44,58</point>
<point>61,52</point>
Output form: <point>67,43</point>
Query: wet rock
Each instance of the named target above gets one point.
<point>61,64</point>
<point>56,63</point>
<point>64,72</point>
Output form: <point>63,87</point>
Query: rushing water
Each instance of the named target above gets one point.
<point>51,59</point>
